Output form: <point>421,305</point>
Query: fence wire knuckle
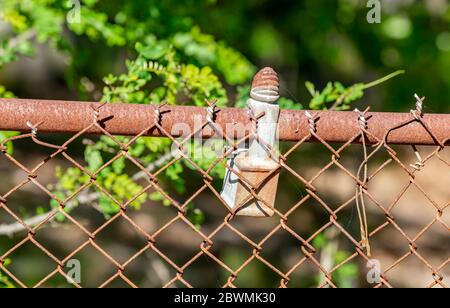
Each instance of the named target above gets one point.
<point>313,249</point>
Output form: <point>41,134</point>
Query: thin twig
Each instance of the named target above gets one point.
<point>19,39</point>
<point>11,229</point>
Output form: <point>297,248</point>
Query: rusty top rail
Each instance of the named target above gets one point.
<point>131,119</point>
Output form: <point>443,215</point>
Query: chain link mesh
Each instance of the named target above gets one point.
<point>311,256</point>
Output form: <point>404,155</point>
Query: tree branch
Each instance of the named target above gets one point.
<point>11,229</point>
<point>19,39</point>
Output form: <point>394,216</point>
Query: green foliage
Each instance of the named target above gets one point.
<point>5,135</point>
<point>334,92</point>
<point>338,97</point>
<point>9,144</point>
<point>235,68</point>
<point>195,215</point>
<point>5,94</point>
<point>95,26</point>
<point>5,282</point>
<point>343,276</point>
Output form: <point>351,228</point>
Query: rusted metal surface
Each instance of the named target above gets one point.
<point>266,77</point>
<point>126,119</point>
<point>265,86</point>
<point>265,183</point>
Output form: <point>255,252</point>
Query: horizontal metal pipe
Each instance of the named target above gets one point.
<point>132,119</point>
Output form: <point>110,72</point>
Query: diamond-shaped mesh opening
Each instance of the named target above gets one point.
<point>290,190</point>
<point>332,193</point>
<point>257,274</point>
<point>255,232</point>
<point>176,235</point>
<point>387,184</point>
<point>282,249</point>
<point>30,273</point>
<point>26,200</point>
<point>322,157</point>
<point>95,151</point>
<point>205,272</point>
<point>188,187</point>
<point>151,216</point>
<point>146,269</point>
<point>95,267</point>
<point>413,211</point>
<point>398,243</point>
<point>426,179</point>
<point>430,244</point>
<point>90,208</point>
<point>58,280</point>
<point>26,152</point>
<point>305,275</point>
<point>127,240</point>
<point>227,240</point>
<point>62,243</point>
<point>206,210</point>
<point>309,216</point>
<point>413,268</point>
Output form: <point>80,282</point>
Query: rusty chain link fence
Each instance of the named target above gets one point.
<point>362,201</point>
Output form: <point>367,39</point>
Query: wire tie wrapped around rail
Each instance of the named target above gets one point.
<point>418,112</point>
<point>158,113</point>
<point>96,111</point>
<point>211,110</point>
<point>362,118</point>
<point>312,118</point>
<point>34,128</point>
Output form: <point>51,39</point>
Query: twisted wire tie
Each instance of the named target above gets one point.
<point>361,119</point>
<point>311,121</point>
<point>33,128</point>
<point>211,110</point>
<point>96,111</point>
<point>157,111</point>
<point>418,112</point>
<point>157,114</point>
<point>210,114</point>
